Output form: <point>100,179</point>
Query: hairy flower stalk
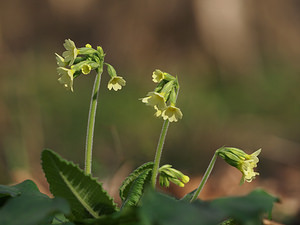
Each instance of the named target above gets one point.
<point>82,61</point>
<point>236,158</point>
<point>242,161</point>
<point>205,177</point>
<point>158,153</point>
<point>91,121</point>
<point>163,100</point>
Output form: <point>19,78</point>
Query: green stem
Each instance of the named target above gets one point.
<point>91,121</point>
<point>205,177</point>
<point>159,151</point>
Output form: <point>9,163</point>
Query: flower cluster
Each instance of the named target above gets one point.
<point>168,174</point>
<point>163,98</point>
<point>76,61</point>
<point>242,161</point>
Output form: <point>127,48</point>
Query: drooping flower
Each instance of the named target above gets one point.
<point>242,161</point>
<point>247,166</point>
<point>116,83</point>
<point>172,113</point>
<point>60,61</point>
<point>155,99</point>
<point>158,76</point>
<point>71,51</point>
<point>66,77</point>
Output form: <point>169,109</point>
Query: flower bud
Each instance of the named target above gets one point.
<point>172,175</point>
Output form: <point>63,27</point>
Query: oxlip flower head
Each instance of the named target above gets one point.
<point>66,77</point>
<point>158,76</point>
<point>155,99</point>
<point>116,83</point>
<point>172,113</point>
<point>71,51</point>
<point>242,161</point>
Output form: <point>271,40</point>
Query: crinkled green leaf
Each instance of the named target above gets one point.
<point>188,197</point>
<point>128,216</point>
<point>8,191</point>
<point>126,185</point>
<point>137,188</point>
<point>157,208</point>
<point>31,210</point>
<point>27,187</point>
<point>247,209</point>
<point>85,195</point>
<point>61,219</point>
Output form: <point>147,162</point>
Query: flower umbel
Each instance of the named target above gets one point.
<point>172,113</point>
<point>242,161</point>
<point>116,83</point>
<point>66,77</point>
<point>71,51</point>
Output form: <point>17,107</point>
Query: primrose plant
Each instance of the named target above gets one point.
<point>80,199</point>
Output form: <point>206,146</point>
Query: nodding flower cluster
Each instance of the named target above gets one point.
<point>163,98</point>
<point>240,160</point>
<point>76,61</point>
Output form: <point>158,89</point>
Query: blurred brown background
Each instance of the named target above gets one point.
<point>237,63</point>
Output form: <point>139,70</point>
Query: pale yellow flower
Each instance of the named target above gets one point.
<point>242,161</point>
<point>66,77</point>
<point>253,157</point>
<point>60,61</point>
<point>155,99</point>
<point>158,112</point>
<point>116,83</point>
<point>158,76</point>
<point>172,113</point>
<point>86,69</point>
<point>71,51</point>
<point>247,166</point>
